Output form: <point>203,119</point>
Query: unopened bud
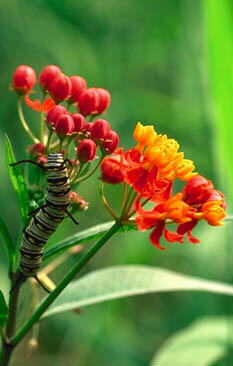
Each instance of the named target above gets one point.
<point>111,169</point>
<point>112,142</point>
<point>100,129</point>
<point>24,79</point>
<point>104,100</point>
<point>47,75</point>
<point>60,88</point>
<point>88,101</point>
<point>78,85</point>
<point>64,125</point>
<point>86,150</point>
<point>54,114</point>
<point>79,122</point>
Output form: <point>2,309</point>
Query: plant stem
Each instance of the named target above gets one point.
<point>54,294</point>
<point>42,137</point>
<point>8,346</point>
<point>23,121</point>
<point>90,173</point>
<point>49,140</point>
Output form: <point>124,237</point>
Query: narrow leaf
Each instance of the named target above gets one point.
<point>3,310</point>
<point>123,281</point>
<point>8,242</point>
<point>17,182</point>
<point>81,237</point>
<point>201,344</point>
<point>218,20</point>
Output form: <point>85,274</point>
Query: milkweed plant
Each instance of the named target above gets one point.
<point>74,141</point>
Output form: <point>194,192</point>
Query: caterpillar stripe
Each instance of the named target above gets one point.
<point>48,217</point>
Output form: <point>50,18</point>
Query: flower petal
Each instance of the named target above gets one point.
<point>36,104</point>
<point>156,235</point>
<point>172,237</point>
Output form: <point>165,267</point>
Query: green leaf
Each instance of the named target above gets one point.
<point>123,281</point>
<point>8,242</point>
<point>3,310</point>
<point>17,182</point>
<point>218,20</point>
<point>81,237</point>
<point>201,344</point>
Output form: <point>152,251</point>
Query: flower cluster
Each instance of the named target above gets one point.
<point>150,170</point>
<point>77,133</point>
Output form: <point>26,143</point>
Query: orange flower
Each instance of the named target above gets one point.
<point>213,213</point>
<point>37,106</point>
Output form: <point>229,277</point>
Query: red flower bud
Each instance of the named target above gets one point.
<point>111,171</point>
<point>24,79</point>
<point>86,150</point>
<point>79,122</point>
<point>47,75</point>
<point>60,88</point>
<point>64,125</point>
<point>78,85</point>
<point>88,101</point>
<point>111,143</point>
<point>54,114</point>
<point>100,129</point>
<point>104,100</point>
<point>42,159</point>
<point>197,190</point>
<point>217,196</point>
<point>87,127</point>
<point>36,149</point>
<point>77,201</point>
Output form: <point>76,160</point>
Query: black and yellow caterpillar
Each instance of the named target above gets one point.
<point>47,217</point>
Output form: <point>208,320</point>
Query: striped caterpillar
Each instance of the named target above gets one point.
<point>47,217</point>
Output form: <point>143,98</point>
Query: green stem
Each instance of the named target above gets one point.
<point>49,140</point>
<point>60,144</point>
<point>8,346</point>
<point>68,144</point>
<point>126,206</point>
<point>80,168</point>
<point>23,121</point>
<point>90,173</point>
<point>54,294</point>
<point>42,137</point>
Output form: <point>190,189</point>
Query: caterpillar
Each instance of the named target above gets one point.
<point>47,217</point>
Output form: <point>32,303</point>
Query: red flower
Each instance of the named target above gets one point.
<point>197,190</point>
<point>187,227</point>
<point>111,169</point>
<point>88,101</point>
<point>104,100</point>
<point>60,88</point>
<point>111,142</point>
<point>79,122</point>
<point>54,114</point>
<point>36,149</point>
<point>47,75</point>
<point>24,79</point>
<point>64,125</point>
<point>100,129</point>
<point>78,85</point>
<point>86,150</point>
<point>37,106</point>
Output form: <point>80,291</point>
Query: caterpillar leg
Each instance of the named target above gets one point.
<point>67,161</point>
<point>41,284</point>
<point>72,217</point>
<point>28,161</point>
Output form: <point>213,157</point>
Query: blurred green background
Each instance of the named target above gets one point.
<point>154,58</point>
